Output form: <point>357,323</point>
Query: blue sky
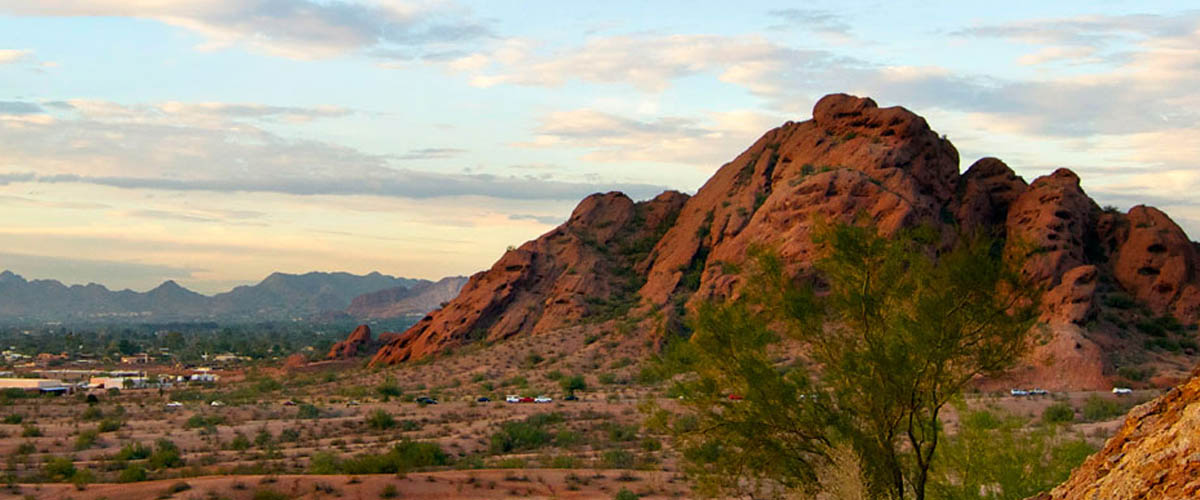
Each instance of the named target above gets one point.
<point>213,142</point>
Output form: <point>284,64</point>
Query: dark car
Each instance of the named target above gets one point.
<point>484,399</point>
<point>423,400</point>
<point>571,397</point>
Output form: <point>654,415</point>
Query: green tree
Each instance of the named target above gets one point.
<point>899,326</point>
<point>997,456</point>
<point>573,383</point>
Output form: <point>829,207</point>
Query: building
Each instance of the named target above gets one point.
<point>136,359</point>
<point>117,382</point>
<point>34,384</point>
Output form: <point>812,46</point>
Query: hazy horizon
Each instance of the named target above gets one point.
<point>215,142</point>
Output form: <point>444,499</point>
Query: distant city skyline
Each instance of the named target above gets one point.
<point>215,142</point>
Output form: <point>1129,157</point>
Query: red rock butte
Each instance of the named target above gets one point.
<point>852,158</point>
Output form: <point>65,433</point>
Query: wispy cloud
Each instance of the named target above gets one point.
<point>431,154</point>
<point>549,220</point>
<point>297,29</point>
<point>13,55</point>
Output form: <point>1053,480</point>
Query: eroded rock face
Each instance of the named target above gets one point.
<point>1074,299</point>
<point>575,271</point>
<point>1050,224</point>
<point>1155,454</point>
<point>1156,263</point>
<point>853,161</point>
<point>357,341</point>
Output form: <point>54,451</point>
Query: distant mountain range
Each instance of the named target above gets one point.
<point>280,296</point>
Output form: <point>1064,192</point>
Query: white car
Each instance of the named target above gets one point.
<point>1038,392</point>
<point>542,399</point>
<point>512,398</point>
<point>1018,392</point>
<point>216,403</point>
<point>1122,390</point>
<point>174,404</point>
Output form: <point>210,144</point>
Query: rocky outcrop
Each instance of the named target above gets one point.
<point>1155,453</point>
<point>404,301</point>
<point>358,341</point>
<point>1156,262</point>
<point>584,268</point>
<point>853,161</point>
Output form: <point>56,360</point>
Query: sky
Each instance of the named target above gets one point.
<point>214,142</point>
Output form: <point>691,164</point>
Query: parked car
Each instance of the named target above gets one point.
<point>1122,390</point>
<point>289,403</point>
<point>571,397</point>
<point>1018,392</point>
<point>425,400</point>
<point>736,397</point>
<point>352,402</point>
<point>526,399</point>
<point>216,403</point>
<point>542,399</point>
<point>1038,392</point>
<point>484,399</point>
<point>512,398</point>
<point>174,404</point>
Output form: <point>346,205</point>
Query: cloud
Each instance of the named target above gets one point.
<point>821,22</point>
<point>549,220</point>
<point>297,29</point>
<point>431,154</point>
<point>688,140</point>
<point>19,108</point>
<point>649,63</point>
<point>14,55</point>
<point>217,147</point>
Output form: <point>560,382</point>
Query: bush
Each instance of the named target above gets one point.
<point>132,473</point>
<point>625,494</point>
<point>308,411</point>
<point>270,494</point>
<point>59,468</point>
<point>197,421</point>
<point>389,491</point>
<point>404,456</point>
<point>380,420</point>
<point>177,487</point>
<point>388,390</point>
<point>14,419</point>
<point>86,439</point>
<point>618,459</point>
<point>133,451</point>
<point>240,442</point>
<point>30,431</point>
<point>1058,413</point>
<point>1097,409</point>
<point>91,413</point>
<point>529,434</point>
<point>165,456</point>
<point>109,425</point>
<point>573,383</point>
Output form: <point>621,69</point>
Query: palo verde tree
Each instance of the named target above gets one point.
<point>894,329</point>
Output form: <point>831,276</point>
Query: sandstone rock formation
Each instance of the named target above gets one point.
<point>1155,453</point>
<point>852,160</point>
<point>358,340</point>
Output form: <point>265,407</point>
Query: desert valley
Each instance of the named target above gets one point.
<point>360,249</point>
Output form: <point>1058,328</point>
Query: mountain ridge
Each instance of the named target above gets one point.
<point>1121,288</point>
<point>278,296</point>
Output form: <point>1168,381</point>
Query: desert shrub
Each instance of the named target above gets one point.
<point>388,390</point>
<point>1058,413</point>
<point>389,491</point>
<point>82,478</point>
<point>109,425</point>
<point>380,420</point>
<point>532,433</point>
<point>197,421</point>
<point>1134,373</point>
<point>177,487</point>
<point>625,494</point>
<point>166,455</point>
<point>91,413</point>
<point>13,419</point>
<point>26,448</point>
<point>573,383</point>
<point>324,462</point>
<point>404,456</point>
<point>308,411</point>
<point>1119,301</point>
<point>133,451</point>
<point>1098,408</point>
<point>410,425</point>
<point>132,473</point>
<point>86,439</point>
<point>618,459</point>
<point>619,433</point>
<point>269,494</point>
<point>289,436</point>
<point>606,378</point>
<point>58,468</point>
<point>240,442</point>
<point>30,431</point>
